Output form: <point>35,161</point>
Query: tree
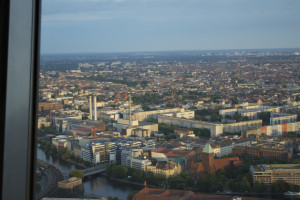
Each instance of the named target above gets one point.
<point>296,161</point>
<point>112,198</point>
<point>238,117</point>
<point>77,173</point>
<point>131,195</point>
<point>150,178</point>
<point>260,187</point>
<point>265,117</point>
<point>246,118</point>
<point>280,187</point>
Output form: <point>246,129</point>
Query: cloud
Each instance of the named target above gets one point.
<point>73,17</point>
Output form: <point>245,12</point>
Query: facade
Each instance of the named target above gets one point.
<point>42,122</point>
<point>141,116</point>
<point>139,128</point>
<point>87,154</point>
<point>225,148</point>
<point>61,142</point>
<point>167,168</point>
<point>271,173</point>
<point>280,129</point>
<point>215,129</point>
<point>182,114</point>
<point>183,130</point>
<point>138,163</point>
<point>49,106</point>
<point>282,118</point>
<point>249,111</point>
<point>268,150</point>
<point>108,114</point>
<point>242,126</point>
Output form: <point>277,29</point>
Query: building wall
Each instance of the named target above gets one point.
<point>167,172</point>
<point>215,129</point>
<point>141,116</point>
<point>255,152</point>
<point>242,126</point>
<point>227,149</point>
<point>277,119</point>
<point>280,129</point>
<point>270,174</point>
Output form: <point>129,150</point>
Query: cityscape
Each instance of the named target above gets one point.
<point>209,124</point>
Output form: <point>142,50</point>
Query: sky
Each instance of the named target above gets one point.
<point>84,26</point>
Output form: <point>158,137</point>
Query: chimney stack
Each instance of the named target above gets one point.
<point>130,110</point>
<point>95,108</point>
<point>91,109</point>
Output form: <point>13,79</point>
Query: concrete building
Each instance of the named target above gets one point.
<point>225,148</point>
<point>141,116</point>
<point>271,173</point>
<point>87,153</point>
<point>249,111</point>
<point>242,126</point>
<point>280,129</point>
<point>139,163</point>
<point>282,118</point>
<point>128,128</point>
<point>61,142</point>
<point>182,114</point>
<point>108,114</point>
<point>43,123</point>
<point>215,129</point>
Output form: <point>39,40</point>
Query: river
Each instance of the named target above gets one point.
<point>102,186</point>
<point>97,184</point>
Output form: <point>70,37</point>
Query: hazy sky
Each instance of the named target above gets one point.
<point>75,26</point>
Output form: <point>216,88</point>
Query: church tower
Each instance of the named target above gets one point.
<point>208,159</point>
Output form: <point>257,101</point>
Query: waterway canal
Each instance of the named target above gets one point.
<point>96,185</point>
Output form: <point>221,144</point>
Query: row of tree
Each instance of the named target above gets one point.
<point>236,179</point>
<point>61,153</point>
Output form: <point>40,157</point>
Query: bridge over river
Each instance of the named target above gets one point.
<point>91,171</point>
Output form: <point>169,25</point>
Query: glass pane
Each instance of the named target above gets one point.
<point>168,98</point>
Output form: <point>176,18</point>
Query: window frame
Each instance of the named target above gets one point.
<point>19,59</point>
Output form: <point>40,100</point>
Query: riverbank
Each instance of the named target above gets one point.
<point>131,183</point>
<point>245,194</point>
<point>53,176</point>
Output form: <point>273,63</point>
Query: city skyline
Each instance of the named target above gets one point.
<point>129,26</point>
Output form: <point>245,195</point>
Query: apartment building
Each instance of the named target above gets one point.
<point>141,116</point>
<point>282,118</point>
<point>264,149</point>
<point>225,148</point>
<point>167,168</point>
<point>215,129</point>
<point>271,173</point>
<point>242,126</point>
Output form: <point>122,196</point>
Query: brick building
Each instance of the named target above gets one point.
<point>263,151</point>
<point>49,106</point>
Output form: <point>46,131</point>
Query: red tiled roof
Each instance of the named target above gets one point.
<point>169,194</point>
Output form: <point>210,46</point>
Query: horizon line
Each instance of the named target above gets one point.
<point>151,51</point>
